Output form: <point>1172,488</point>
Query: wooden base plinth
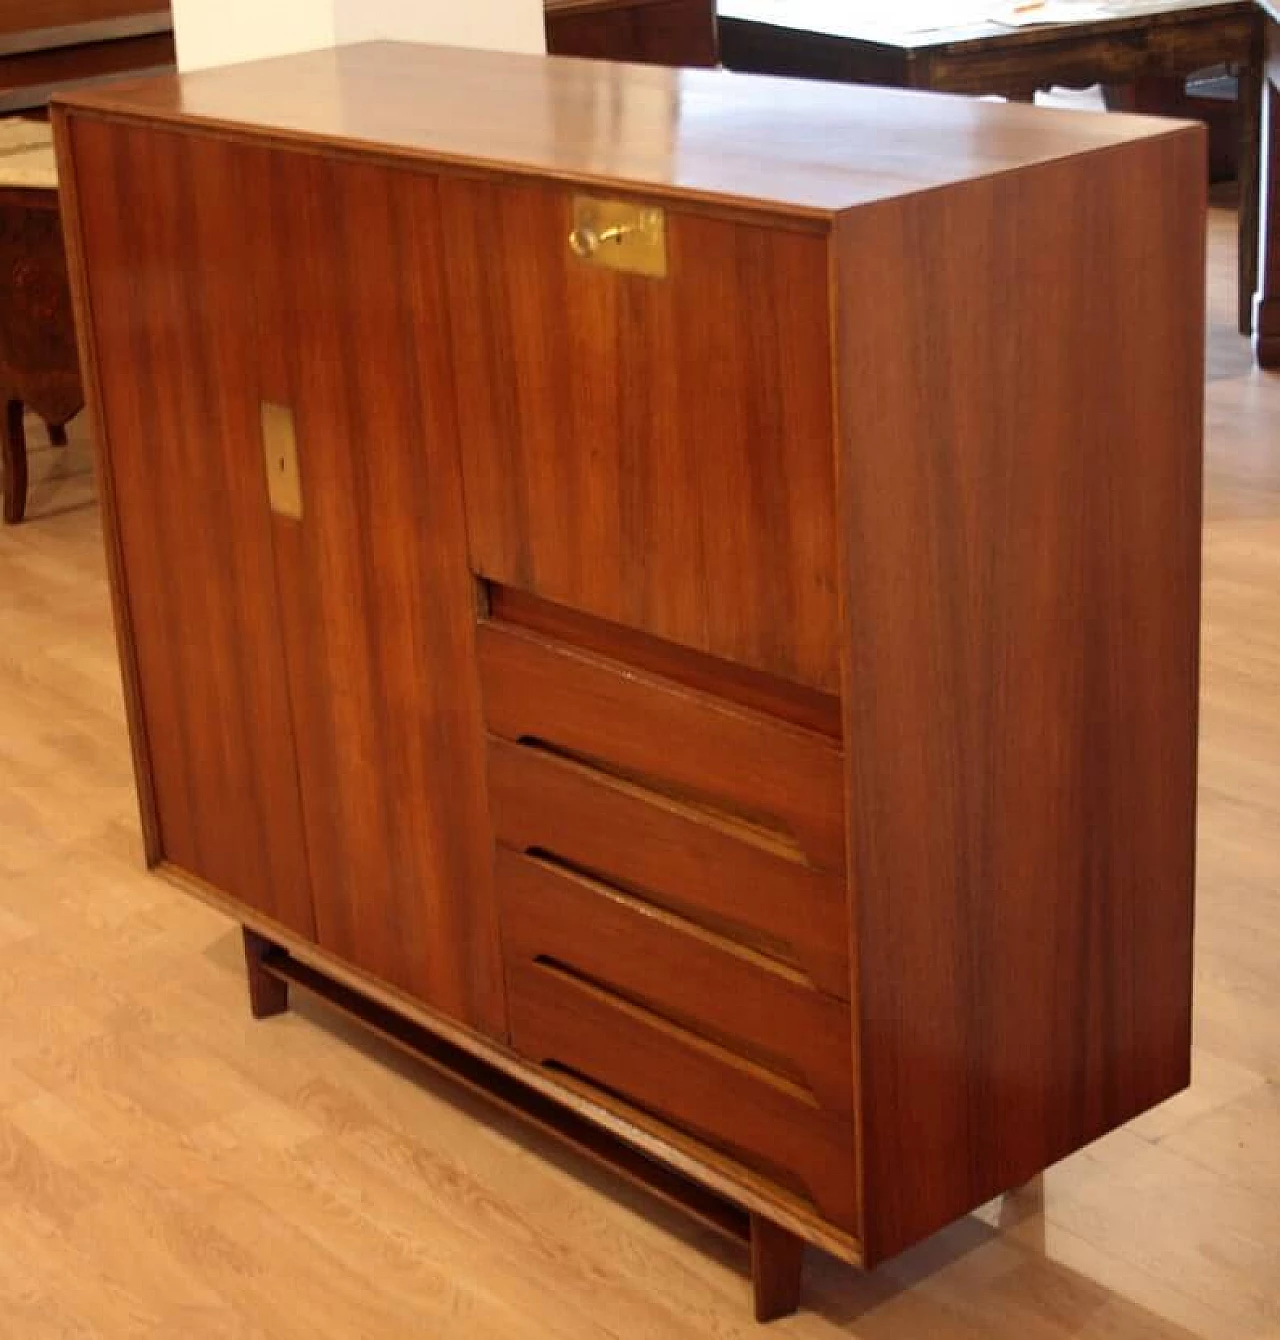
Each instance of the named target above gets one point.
<point>776,1254</point>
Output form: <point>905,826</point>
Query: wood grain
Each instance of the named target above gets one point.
<point>748,145</point>
<point>777,1261</point>
<point>1022,673</point>
<point>703,982</point>
<point>703,512</point>
<point>709,674</point>
<point>781,777</point>
<point>374,595</point>
<point>197,573</point>
<point>22,15</point>
<point>705,1091</point>
<point>664,32</point>
<point>320,832</point>
<point>30,75</point>
<point>268,994</point>
<point>719,874</point>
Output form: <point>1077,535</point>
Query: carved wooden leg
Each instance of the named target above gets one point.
<point>15,463</point>
<point>57,434</point>
<point>1266,307</point>
<point>777,1262</point>
<point>267,995</point>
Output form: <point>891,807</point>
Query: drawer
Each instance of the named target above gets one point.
<point>628,1055</point>
<point>671,739</point>
<point>704,983</point>
<point>722,874</point>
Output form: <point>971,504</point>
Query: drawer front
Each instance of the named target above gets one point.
<point>699,981</point>
<point>673,740</point>
<point>713,871</point>
<point>704,1091</point>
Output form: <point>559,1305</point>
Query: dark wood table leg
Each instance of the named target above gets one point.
<point>777,1263</point>
<point>57,434</point>
<point>1251,78</point>
<point>1266,305</point>
<point>268,995</point>
<point>15,463</point>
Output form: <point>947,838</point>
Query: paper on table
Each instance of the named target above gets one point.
<point>868,16</point>
<point>1029,15</point>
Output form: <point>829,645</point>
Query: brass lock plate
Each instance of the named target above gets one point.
<point>280,456</point>
<point>620,235</point>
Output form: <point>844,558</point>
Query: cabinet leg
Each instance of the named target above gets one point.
<point>57,434</point>
<point>14,439</point>
<point>777,1261</point>
<point>267,995</point>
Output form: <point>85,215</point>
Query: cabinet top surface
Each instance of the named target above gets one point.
<point>782,144</point>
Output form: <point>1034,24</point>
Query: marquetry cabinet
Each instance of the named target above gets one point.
<point>672,596</point>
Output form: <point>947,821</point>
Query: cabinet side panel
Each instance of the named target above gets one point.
<point>1021,364</point>
<point>173,332</point>
<point>375,589</point>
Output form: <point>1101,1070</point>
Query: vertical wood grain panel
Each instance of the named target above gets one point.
<point>174,335</point>
<point>1021,470</point>
<point>374,585</point>
<point>654,452</point>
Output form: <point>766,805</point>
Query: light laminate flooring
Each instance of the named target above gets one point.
<point>170,1169</point>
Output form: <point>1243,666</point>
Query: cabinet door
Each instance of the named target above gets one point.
<point>375,593</point>
<point>187,514</point>
<point>663,458</point>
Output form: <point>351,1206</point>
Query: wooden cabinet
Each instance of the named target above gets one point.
<point>664,32</point>
<point>722,681</point>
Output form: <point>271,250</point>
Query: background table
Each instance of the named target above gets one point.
<point>1266,317</point>
<point>39,369</point>
<point>873,44</point>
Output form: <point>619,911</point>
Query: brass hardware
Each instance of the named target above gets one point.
<point>280,453</point>
<point>620,235</point>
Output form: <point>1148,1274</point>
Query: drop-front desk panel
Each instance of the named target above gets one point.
<point>672,595</point>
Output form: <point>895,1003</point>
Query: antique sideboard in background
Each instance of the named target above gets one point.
<point>51,44</point>
<point>662,32</point>
<point>46,45</point>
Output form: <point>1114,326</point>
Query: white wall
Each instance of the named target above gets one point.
<point>506,25</point>
<point>221,32</point>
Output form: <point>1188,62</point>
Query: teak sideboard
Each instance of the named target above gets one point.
<point>673,596</point>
